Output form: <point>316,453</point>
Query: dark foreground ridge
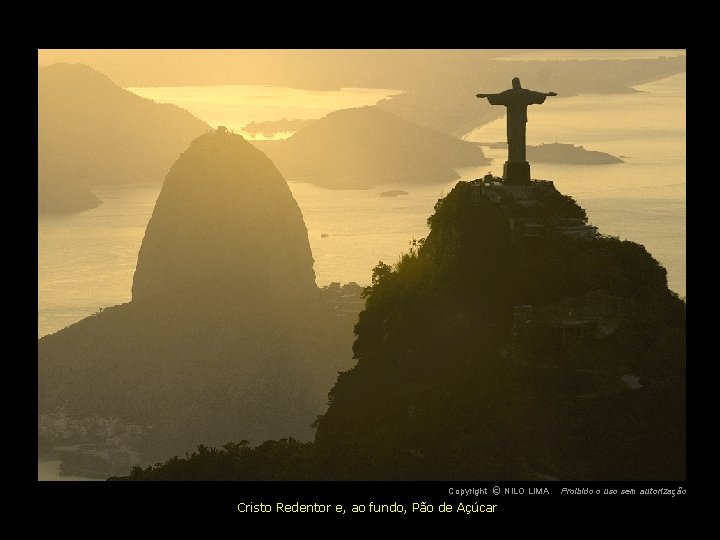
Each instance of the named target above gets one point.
<point>514,343</point>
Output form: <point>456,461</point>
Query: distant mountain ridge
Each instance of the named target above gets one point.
<point>92,132</point>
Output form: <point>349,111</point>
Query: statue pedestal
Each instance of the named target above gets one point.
<point>516,172</point>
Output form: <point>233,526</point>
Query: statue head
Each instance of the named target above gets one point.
<point>516,83</point>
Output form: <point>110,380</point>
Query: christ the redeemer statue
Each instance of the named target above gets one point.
<point>517,99</point>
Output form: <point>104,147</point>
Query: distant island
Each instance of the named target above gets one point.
<point>393,193</point>
<point>91,131</point>
<point>562,153</point>
<point>268,128</point>
<point>60,194</point>
<point>364,147</point>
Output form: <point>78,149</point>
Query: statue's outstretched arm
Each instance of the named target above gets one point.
<point>483,95</point>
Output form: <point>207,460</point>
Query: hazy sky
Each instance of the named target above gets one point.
<point>307,68</point>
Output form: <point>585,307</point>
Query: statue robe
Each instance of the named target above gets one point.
<point>516,101</point>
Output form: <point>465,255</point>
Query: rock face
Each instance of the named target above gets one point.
<point>94,132</point>
<point>225,220</point>
<point>226,337</point>
<point>367,146</point>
